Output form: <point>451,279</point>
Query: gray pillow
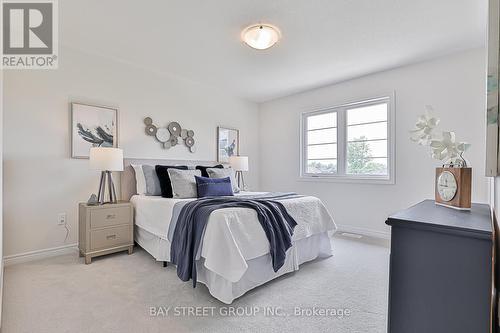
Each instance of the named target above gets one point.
<point>183,183</point>
<point>223,173</point>
<point>152,180</point>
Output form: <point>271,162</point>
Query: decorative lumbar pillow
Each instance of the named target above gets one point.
<point>165,184</point>
<point>213,187</point>
<point>140,180</point>
<point>203,169</point>
<point>223,173</point>
<point>183,183</point>
<point>152,181</point>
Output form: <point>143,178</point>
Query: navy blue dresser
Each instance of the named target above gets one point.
<point>441,270</point>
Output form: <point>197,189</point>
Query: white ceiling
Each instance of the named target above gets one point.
<point>324,41</point>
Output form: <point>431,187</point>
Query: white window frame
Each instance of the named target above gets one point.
<point>341,175</point>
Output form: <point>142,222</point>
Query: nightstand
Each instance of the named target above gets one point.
<point>105,229</point>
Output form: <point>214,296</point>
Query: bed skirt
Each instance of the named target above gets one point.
<point>260,270</point>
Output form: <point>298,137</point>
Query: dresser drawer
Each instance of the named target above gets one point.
<point>110,237</point>
<point>105,217</point>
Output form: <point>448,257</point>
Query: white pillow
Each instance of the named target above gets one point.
<point>183,183</point>
<point>140,179</point>
<point>223,173</point>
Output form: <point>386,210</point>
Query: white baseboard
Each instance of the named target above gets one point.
<point>39,254</point>
<point>363,231</point>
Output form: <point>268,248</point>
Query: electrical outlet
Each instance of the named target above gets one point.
<point>61,219</point>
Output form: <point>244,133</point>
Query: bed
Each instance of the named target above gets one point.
<point>234,254</point>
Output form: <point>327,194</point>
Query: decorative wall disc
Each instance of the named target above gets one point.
<point>174,128</point>
<point>169,135</point>
<point>162,134</point>
<point>151,130</point>
<point>189,142</point>
<point>173,140</point>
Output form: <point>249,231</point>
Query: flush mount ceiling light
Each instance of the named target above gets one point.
<point>260,36</point>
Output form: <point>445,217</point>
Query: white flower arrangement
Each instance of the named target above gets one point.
<point>422,133</point>
<point>446,149</point>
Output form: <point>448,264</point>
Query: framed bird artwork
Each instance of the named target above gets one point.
<point>92,126</point>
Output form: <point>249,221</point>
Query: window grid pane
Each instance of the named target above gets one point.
<point>323,120</point>
<point>322,166</point>
<point>367,131</point>
<point>325,151</point>
<point>367,140</point>
<point>320,136</point>
<point>367,114</point>
<point>369,166</point>
<point>375,148</point>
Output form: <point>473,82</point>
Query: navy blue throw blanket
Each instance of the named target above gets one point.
<point>278,226</point>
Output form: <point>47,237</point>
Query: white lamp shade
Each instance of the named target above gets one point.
<point>106,159</point>
<point>239,163</point>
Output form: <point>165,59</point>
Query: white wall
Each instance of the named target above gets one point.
<point>453,85</point>
<point>42,180</point>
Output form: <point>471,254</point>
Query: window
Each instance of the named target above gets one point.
<point>350,142</point>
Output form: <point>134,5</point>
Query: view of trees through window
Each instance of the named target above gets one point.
<point>321,166</point>
<point>360,159</point>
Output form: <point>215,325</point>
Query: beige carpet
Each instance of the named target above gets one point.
<point>115,293</point>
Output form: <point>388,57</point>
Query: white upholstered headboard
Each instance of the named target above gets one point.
<point>127,177</point>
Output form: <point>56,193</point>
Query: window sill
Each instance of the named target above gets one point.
<point>347,179</point>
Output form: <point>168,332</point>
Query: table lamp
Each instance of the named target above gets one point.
<point>106,160</point>
<point>239,164</point>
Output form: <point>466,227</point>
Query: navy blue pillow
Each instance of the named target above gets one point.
<point>213,187</point>
<point>203,169</point>
<point>165,183</point>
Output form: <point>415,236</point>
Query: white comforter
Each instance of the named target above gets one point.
<point>233,235</point>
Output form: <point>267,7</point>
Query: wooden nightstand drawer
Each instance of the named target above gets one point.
<point>106,217</point>
<point>105,229</point>
<point>110,237</point>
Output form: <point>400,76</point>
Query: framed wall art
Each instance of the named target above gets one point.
<point>228,143</point>
<point>92,126</point>
<point>492,91</point>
